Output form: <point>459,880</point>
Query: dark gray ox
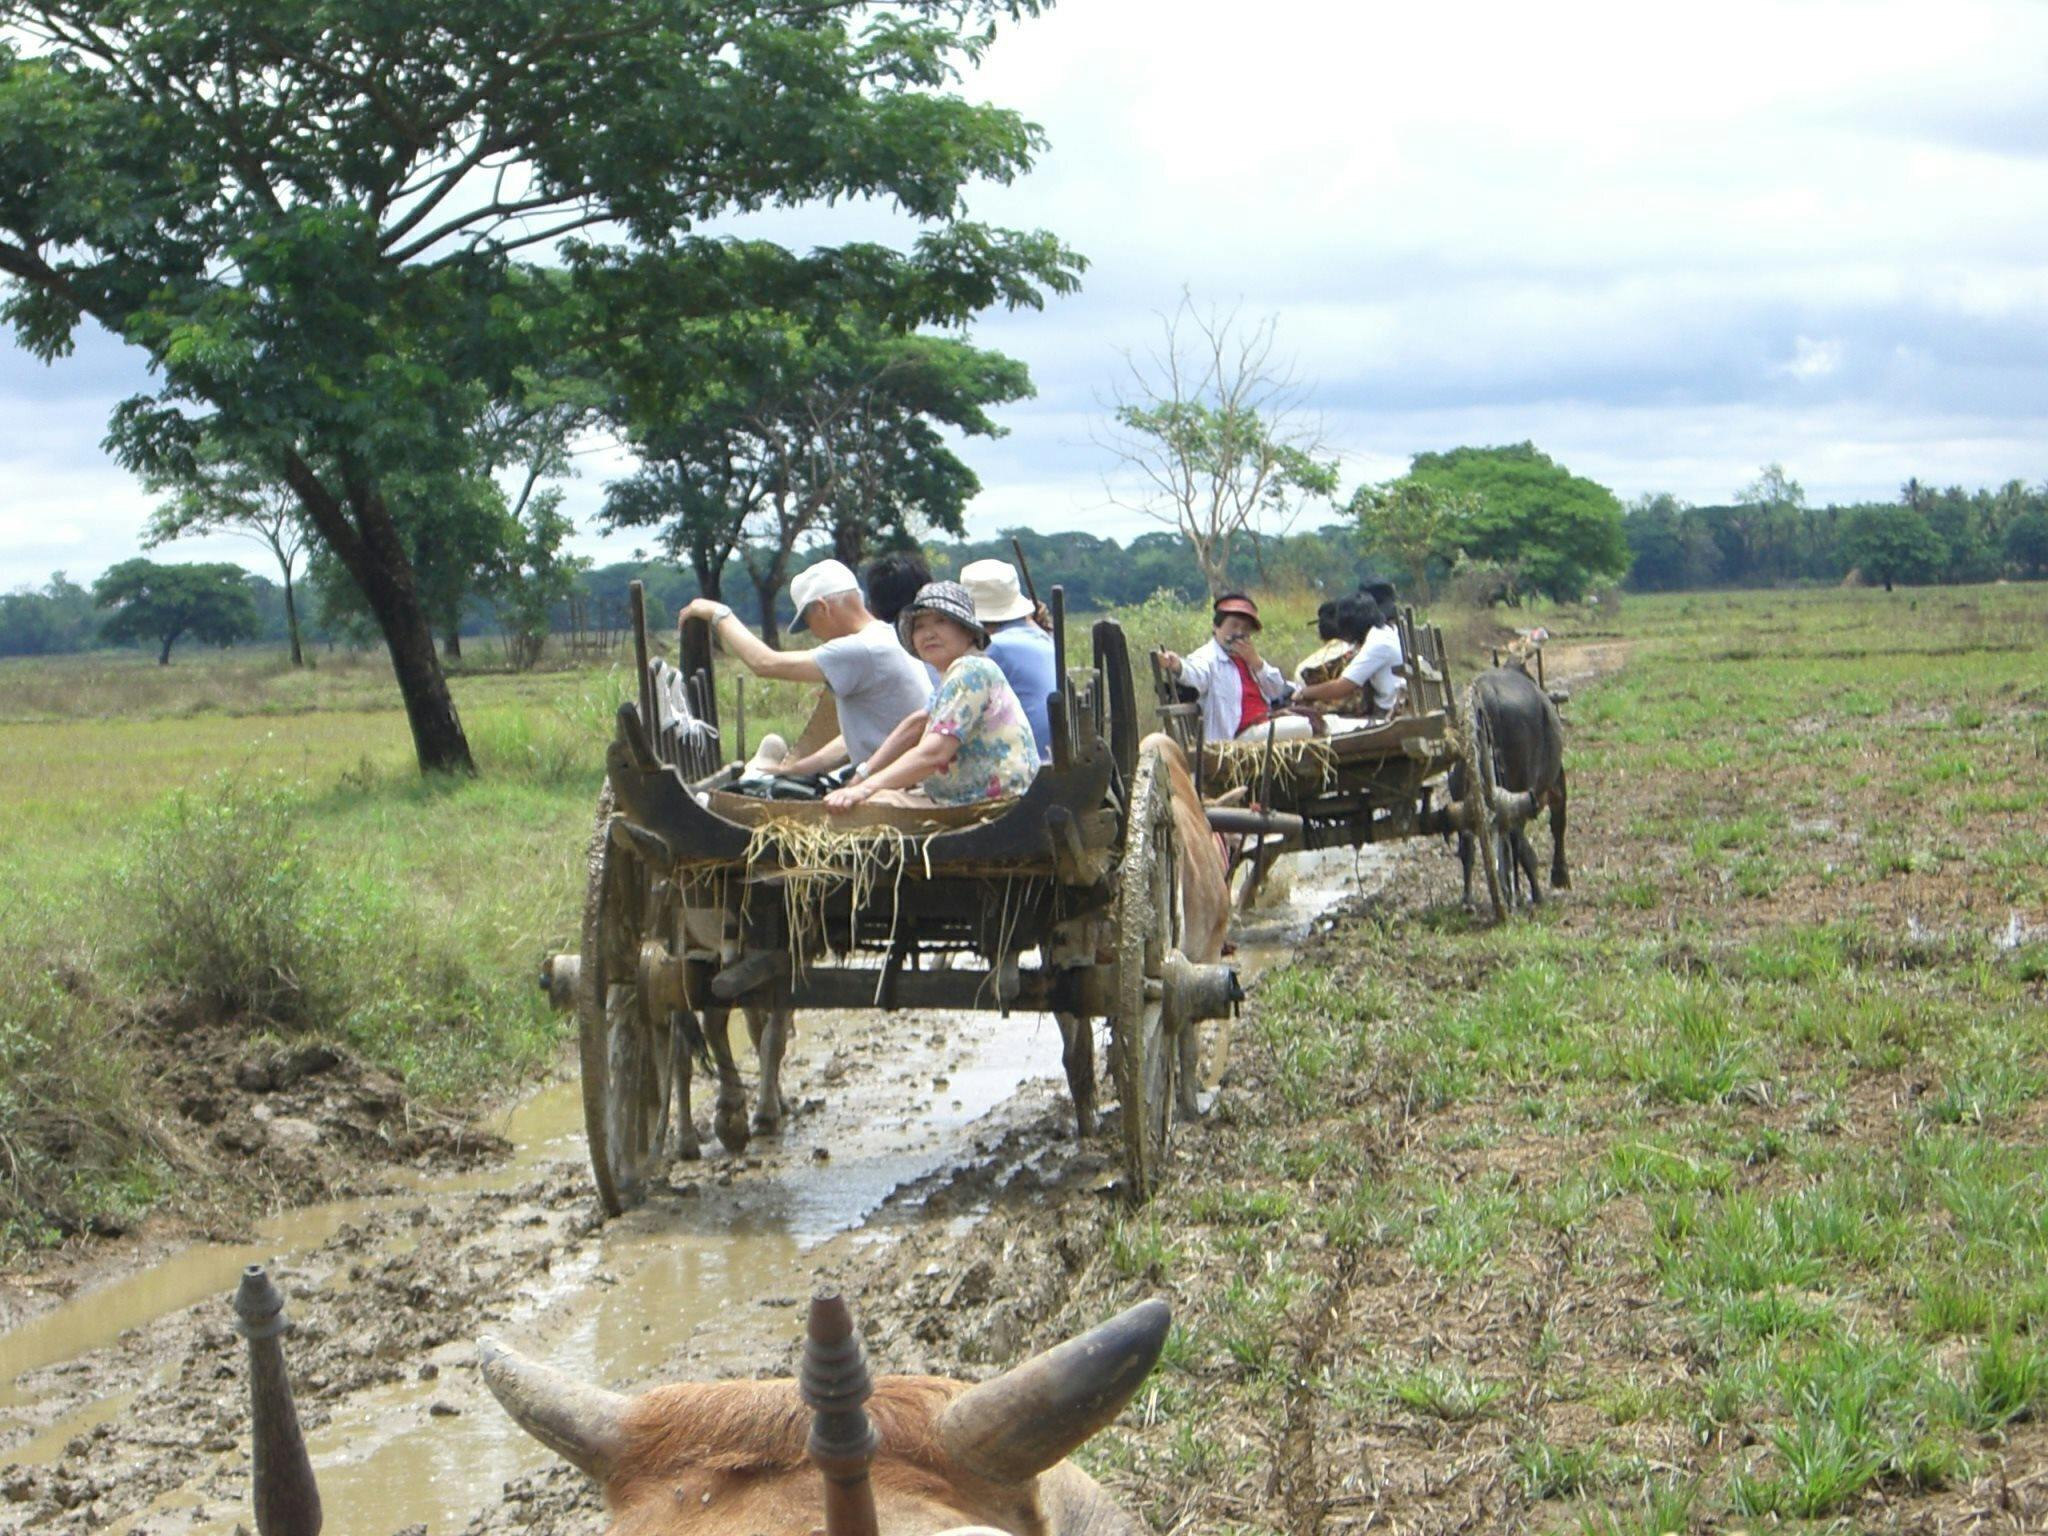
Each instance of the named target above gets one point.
<point>827,1453</point>
<point>1515,720</point>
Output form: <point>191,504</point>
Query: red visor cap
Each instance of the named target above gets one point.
<point>1244,607</point>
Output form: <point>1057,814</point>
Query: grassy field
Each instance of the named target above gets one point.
<point>400,916</point>
<point>235,844</point>
<point>1712,1197</point>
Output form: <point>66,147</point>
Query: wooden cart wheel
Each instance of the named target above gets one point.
<point>1148,928</point>
<point>1478,748</point>
<point>627,1065</point>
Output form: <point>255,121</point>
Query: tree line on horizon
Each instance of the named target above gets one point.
<point>1770,536</point>
<point>1558,540</point>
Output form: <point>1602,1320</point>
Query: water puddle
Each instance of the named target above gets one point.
<point>94,1319</point>
<point>711,1271</point>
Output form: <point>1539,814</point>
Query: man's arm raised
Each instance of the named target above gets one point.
<point>752,652</point>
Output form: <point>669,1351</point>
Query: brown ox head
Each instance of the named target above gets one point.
<point>742,1457</point>
<point>907,1456</point>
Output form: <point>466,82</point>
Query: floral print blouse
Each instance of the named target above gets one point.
<point>975,705</point>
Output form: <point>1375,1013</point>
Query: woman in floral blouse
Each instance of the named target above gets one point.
<point>976,742</point>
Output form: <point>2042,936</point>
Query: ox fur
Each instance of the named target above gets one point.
<point>1528,758</point>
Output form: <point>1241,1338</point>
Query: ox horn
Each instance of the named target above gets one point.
<point>1029,1418</point>
<point>579,1423</point>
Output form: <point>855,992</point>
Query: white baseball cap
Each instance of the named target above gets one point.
<point>828,578</point>
<point>993,585</point>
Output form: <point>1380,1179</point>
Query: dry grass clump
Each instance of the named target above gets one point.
<point>1229,765</point>
<point>813,860</point>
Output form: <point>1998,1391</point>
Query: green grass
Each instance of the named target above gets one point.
<point>1714,1196</point>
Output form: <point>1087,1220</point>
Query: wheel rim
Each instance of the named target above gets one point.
<point>1148,923</point>
<point>624,1055</point>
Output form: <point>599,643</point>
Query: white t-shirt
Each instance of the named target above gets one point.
<point>1373,669</point>
<point>875,683</point>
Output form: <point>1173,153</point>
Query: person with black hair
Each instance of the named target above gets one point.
<point>1370,685</point>
<point>892,580</point>
<point>1327,659</point>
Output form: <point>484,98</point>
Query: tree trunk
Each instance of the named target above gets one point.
<point>163,657</point>
<point>452,642</point>
<point>291,621</point>
<point>771,626</point>
<point>849,542</point>
<point>710,578</point>
<point>367,542</point>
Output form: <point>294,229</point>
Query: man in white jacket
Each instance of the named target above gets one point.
<point>1239,689</point>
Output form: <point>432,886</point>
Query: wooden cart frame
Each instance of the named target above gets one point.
<point>1066,901</point>
<point>1377,784</point>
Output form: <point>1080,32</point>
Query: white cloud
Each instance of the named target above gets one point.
<point>1669,244</point>
<point>1812,359</point>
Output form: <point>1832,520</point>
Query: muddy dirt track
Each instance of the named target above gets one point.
<point>122,1404</point>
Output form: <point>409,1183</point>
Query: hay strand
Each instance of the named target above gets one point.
<point>1307,760</point>
<point>812,860</point>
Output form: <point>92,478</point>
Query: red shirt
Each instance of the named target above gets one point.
<point>1254,710</point>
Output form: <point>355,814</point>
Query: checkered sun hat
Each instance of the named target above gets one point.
<point>951,600</point>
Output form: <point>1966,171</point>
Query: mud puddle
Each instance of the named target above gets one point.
<point>124,1409</point>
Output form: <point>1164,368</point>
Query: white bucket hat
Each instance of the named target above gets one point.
<point>828,578</point>
<point>993,586</point>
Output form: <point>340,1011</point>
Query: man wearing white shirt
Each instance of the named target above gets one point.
<point>1239,689</point>
<point>874,681</point>
<point>1370,685</point>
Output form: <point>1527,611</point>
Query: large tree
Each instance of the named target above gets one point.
<point>796,425</point>
<point>1561,532</point>
<point>318,218</point>
<point>1209,436</point>
<point>1891,543</point>
<point>1412,523</point>
<point>165,603</point>
<point>2026,542</point>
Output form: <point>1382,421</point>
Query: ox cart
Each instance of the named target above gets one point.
<point>1268,797</point>
<point>701,900</point>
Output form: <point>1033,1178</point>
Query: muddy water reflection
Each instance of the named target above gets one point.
<point>709,1273</point>
<point>548,1126</point>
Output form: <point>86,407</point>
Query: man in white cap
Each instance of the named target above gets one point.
<point>874,682</point>
<point>1016,644</point>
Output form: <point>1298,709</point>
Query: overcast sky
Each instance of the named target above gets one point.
<point>1669,244</point>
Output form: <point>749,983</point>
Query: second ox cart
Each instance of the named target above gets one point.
<point>1398,778</point>
<point>701,901</point>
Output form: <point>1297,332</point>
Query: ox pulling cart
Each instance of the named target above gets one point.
<point>1270,797</point>
<point>700,900</point>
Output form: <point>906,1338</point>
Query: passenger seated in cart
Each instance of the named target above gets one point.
<point>891,581</point>
<point>1241,692</point>
<point>873,680</point>
<point>1016,643</point>
<point>1370,687</point>
<point>974,743</point>
<point>1328,658</point>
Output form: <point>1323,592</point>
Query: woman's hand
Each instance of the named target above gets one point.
<point>846,799</point>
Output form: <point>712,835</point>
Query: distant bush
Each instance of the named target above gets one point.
<point>224,912</point>
<point>74,1139</point>
<point>1165,619</point>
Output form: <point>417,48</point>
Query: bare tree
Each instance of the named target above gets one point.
<point>222,495</point>
<point>1209,434</point>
